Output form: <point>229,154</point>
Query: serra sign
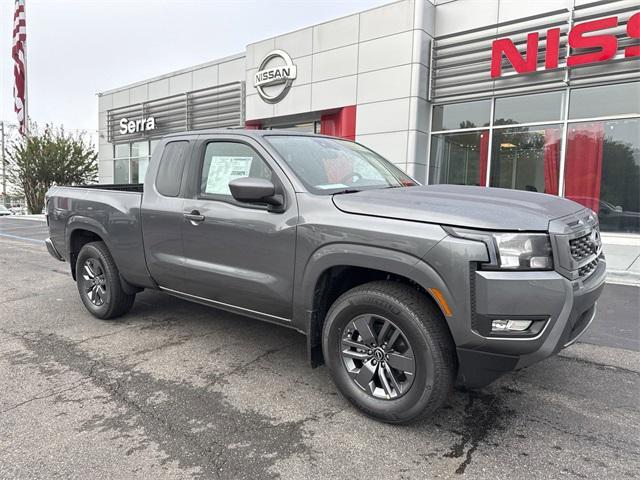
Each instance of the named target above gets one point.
<point>136,126</point>
<point>602,47</point>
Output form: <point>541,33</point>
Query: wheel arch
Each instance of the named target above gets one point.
<point>80,231</point>
<point>337,268</point>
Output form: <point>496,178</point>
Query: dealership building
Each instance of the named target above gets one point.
<point>541,96</point>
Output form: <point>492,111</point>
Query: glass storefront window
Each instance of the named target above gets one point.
<point>121,150</point>
<point>131,161</point>
<point>602,171</point>
<point>541,107</point>
<point>605,101</point>
<point>526,158</point>
<point>461,115</point>
<point>459,158</point>
<point>601,157</point>
<point>140,149</point>
<point>121,171</point>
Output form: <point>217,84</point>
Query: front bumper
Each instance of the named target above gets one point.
<point>566,306</point>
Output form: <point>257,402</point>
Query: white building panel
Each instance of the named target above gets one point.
<point>337,33</point>
<point>392,146</point>
<point>418,114</point>
<point>232,71</point>
<point>205,77</point>
<point>333,93</point>
<point>121,98</point>
<point>388,116</point>
<point>159,88</point>
<point>386,20</point>
<point>298,100</point>
<point>296,44</point>
<point>139,93</point>
<point>387,84</point>
<point>386,52</point>
<point>105,102</point>
<point>180,83</point>
<point>339,62</point>
<point>257,51</point>
<point>256,108</point>
<point>461,15</point>
<point>515,9</point>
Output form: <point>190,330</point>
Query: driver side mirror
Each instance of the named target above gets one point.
<point>255,190</point>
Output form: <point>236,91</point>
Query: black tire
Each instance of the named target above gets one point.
<point>422,326</point>
<point>98,282</point>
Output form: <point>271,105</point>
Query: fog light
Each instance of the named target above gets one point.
<point>510,325</point>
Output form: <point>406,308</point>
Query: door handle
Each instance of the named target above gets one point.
<point>194,217</point>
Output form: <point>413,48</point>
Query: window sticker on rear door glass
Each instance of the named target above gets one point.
<point>224,169</point>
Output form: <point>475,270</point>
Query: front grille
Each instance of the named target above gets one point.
<point>588,269</point>
<point>582,247</point>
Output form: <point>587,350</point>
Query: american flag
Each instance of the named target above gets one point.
<point>19,67</point>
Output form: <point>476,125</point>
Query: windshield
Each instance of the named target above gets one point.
<point>327,165</point>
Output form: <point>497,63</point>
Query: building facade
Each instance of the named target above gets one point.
<point>541,96</point>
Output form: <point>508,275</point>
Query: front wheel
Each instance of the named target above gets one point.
<point>99,284</point>
<point>389,351</point>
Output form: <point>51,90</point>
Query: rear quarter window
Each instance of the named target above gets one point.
<point>171,167</point>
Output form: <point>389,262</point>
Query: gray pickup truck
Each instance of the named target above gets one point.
<point>399,288</point>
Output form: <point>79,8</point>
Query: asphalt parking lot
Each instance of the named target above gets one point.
<point>178,390</point>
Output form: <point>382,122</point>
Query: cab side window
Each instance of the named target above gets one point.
<point>171,167</point>
<point>226,161</point>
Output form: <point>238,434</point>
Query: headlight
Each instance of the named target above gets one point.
<point>512,251</point>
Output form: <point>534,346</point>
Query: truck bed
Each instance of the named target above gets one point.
<point>112,212</point>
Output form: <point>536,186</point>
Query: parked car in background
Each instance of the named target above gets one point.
<point>398,287</point>
<point>4,211</point>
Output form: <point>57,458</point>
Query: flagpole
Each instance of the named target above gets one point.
<point>26,83</point>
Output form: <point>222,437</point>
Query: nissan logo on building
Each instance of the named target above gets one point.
<point>274,76</point>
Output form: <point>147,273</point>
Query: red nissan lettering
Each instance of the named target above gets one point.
<point>508,48</point>
<point>607,44</point>
<point>633,30</point>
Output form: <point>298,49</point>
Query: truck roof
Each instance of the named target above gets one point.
<point>243,131</point>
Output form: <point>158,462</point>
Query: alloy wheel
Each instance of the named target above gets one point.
<point>95,283</point>
<point>378,356</point>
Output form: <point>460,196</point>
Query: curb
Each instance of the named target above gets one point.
<point>37,218</point>
<point>623,277</point>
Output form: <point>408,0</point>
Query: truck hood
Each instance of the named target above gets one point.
<point>463,206</point>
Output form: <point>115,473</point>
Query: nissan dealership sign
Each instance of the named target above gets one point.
<point>594,41</point>
<point>274,76</point>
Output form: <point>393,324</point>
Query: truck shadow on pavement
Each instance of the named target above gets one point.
<point>218,395</point>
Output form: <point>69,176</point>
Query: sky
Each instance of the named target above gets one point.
<point>77,48</point>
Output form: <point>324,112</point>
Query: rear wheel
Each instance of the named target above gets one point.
<point>389,351</point>
<point>99,284</point>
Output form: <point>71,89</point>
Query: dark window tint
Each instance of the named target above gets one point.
<point>226,161</point>
<point>605,101</point>
<point>461,115</point>
<point>543,107</point>
<point>171,167</point>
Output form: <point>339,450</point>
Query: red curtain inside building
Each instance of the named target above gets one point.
<point>484,157</point>
<point>551,160</point>
<point>583,170</point>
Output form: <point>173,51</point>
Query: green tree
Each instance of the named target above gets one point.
<point>49,157</point>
